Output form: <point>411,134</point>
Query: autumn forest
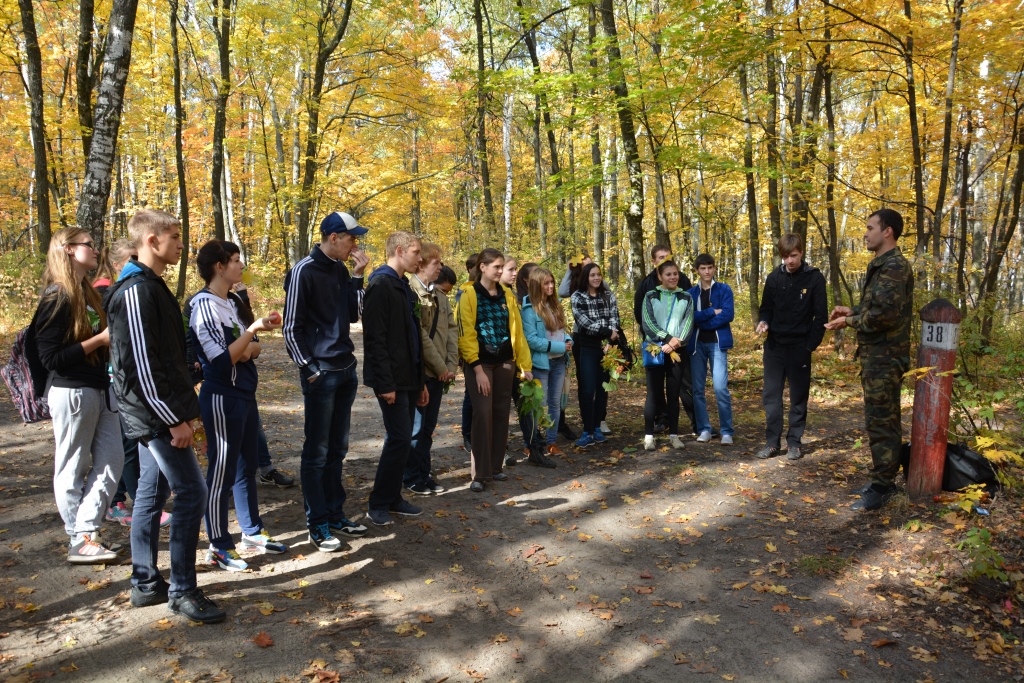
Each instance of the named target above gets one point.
<point>543,128</point>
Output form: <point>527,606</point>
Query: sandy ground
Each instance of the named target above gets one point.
<point>704,564</point>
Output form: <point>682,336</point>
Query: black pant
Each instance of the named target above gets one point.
<point>675,377</point>
<point>782,363</point>
<point>398,420</point>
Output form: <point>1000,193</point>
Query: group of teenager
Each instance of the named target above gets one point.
<point>122,370</point>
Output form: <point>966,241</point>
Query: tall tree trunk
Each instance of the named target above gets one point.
<point>915,133</point>
<point>612,207</point>
<point>771,126</point>
<point>834,272</point>
<point>754,275</point>
<point>222,15</point>
<point>947,128</point>
<point>538,181</point>
<point>635,205</point>
<point>481,120</point>
<point>597,231</point>
<point>109,101</point>
<point>506,150</point>
<point>179,150</point>
<point>327,43</point>
<point>85,78</point>
<point>34,72</point>
<point>416,217</point>
<point>963,212</point>
<point>806,143</point>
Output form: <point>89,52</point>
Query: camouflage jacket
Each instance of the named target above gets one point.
<point>886,306</point>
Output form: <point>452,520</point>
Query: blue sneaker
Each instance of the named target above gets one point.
<point>347,527</point>
<point>321,537</point>
<point>226,559</point>
<point>585,440</point>
<point>264,543</point>
<point>598,436</point>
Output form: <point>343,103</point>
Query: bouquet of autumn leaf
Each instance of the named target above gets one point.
<point>654,349</point>
<point>533,403</point>
<point>614,363</point>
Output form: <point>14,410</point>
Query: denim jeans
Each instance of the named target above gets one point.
<point>417,467</point>
<point>710,353</point>
<point>328,408</point>
<point>231,473</point>
<point>162,469</point>
<point>398,422</point>
<point>589,377</point>
<point>551,380</point>
<point>263,460</point>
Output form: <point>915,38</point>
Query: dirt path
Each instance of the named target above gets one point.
<point>615,566</point>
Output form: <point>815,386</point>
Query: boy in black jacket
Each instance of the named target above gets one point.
<point>393,368</point>
<point>794,310</point>
<point>157,404</point>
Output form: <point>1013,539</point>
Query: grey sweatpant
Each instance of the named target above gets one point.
<point>88,458</point>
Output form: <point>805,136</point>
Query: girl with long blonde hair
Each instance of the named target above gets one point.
<point>73,343</point>
<point>544,324</point>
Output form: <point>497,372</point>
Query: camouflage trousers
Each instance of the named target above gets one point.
<point>881,376</point>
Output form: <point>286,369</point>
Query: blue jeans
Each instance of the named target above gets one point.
<point>710,353</point>
<point>551,380</point>
<point>398,420</point>
<point>417,467</point>
<point>328,407</point>
<point>589,377</point>
<point>263,460</point>
<point>232,430</point>
<point>162,469</point>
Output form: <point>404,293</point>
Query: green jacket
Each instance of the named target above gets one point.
<point>440,351</point>
<point>886,306</point>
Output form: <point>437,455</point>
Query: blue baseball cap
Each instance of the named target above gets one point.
<point>341,223</point>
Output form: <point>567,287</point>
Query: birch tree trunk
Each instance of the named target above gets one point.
<point>506,149</point>
<point>222,15</point>
<point>109,102</point>
<point>179,150</point>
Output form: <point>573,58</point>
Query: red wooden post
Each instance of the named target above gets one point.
<point>940,332</point>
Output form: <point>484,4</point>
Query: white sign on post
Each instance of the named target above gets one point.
<point>940,335</point>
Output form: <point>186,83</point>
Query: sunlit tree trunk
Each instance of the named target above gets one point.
<point>109,101</point>
<point>754,274</point>
<point>179,151</point>
<point>947,129</point>
<point>34,83</point>
<point>222,17</point>
<point>481,119</point>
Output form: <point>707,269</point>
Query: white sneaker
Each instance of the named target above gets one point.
<point>605,429</point>
<point>675,442</point>
<point>704,437</point>
<point>726,439</point>
<point>649,442</point>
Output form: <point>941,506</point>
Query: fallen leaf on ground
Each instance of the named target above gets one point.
<point>263,639</point>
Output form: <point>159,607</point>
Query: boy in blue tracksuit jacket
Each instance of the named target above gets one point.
<point>321,301</point>
<point>709,345</point>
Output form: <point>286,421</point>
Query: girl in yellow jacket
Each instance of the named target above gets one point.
<point>491,345</point>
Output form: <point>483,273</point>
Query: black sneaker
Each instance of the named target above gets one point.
<point>196,607</point>
<point>794,453</point>
<point>500,476</point>
<point>346,527</point>
<point>435,487</point>
<point>875,497</point>
<point>660,427</point>
<point>144,598</point>
<point>406,509</point>
<point>566,431</point>
<point>510,461</point>
<point>467,446</point>
<point>276,477</point>
<point>767,452</point>
<point>420,489</point>
<point>538,459</point>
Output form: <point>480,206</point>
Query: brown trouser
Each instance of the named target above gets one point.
<point>490,419</point>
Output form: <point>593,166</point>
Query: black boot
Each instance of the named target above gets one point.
<point>538,459</point>
<point>565,430</point>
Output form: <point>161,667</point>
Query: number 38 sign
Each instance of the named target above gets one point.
<point>940,335</point>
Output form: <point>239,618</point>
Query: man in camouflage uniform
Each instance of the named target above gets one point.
<point>882,321</point>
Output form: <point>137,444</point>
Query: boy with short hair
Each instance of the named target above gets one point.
<point>393,368</point>
<point>157,404</point>
<point>794,310</point>
<point>709,345</point>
